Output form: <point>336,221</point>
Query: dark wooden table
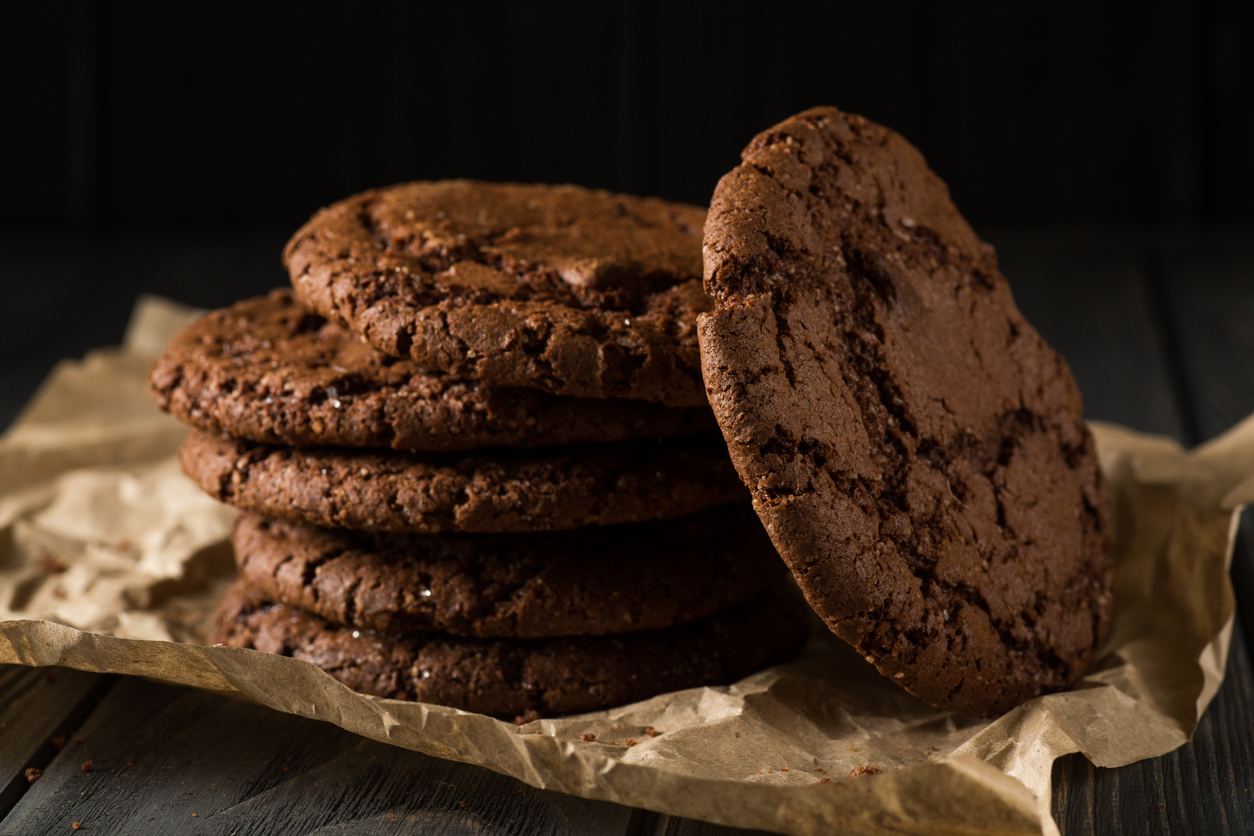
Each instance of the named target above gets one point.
<point>1159,329</point>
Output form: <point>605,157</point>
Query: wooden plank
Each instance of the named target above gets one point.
<point>37,705</point>
<point>166,759</point>
<point>1202,787</point>
<point>655,824</point>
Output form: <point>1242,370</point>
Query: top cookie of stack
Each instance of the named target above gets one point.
<point>575,292</point>
<point>463,368</point>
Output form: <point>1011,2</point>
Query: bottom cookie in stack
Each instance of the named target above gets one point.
<point>524,625</point>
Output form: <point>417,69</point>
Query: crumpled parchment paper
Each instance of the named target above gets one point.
<point>111,560</point>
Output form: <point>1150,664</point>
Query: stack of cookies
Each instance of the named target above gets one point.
<point>474,455</point>
<point>477,455</point>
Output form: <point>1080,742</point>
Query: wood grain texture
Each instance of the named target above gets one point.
<point>37,705</point>
<point>1203,787</point>
<point>172,760</point>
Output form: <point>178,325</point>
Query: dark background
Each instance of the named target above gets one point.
<point>172,147</point>
<point>129,116</point>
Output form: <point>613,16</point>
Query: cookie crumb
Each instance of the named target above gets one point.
<point>86,767</point>
<point>32,775</point>
<point>58,743</point>
<point>587,737</point>
<point>859,771</point>
<point>50,564</point>
<point>651,732</point>
<point>822,781</point>
<point>631,741</point>
<point>526,717</point>
<point>74,825</point>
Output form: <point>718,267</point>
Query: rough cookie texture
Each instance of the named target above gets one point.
<point>506,678</point>
<point>590,581</point>
<point>913,446</point>
<point>492,491</point>
<point>270,370</point>
<point>576,292</point>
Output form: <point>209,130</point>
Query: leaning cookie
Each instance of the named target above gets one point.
<point>589,581</point>
<point>576,292</point>
<point>500,490</point>
<point>270,370</point>
<point>913,446</point>
<point>507,678</point>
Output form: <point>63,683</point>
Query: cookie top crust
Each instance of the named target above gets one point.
<point>589,581</point>
<point>495,490</point>
<point>508,678</point>
<point>576,292</point>
<point>270,370</point>
<point>914,448</point>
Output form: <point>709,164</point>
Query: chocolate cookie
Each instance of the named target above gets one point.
<point>507,677</point>
<point>576,292</point>
<point>590,581</point>
<point>913,446</point>
<point>270,370</point>
<point>500,490</point>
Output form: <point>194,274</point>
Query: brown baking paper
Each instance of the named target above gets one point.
<point>111,560</point>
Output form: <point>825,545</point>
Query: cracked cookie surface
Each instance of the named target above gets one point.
<point>915,449</point>
<point>572,291</point>
<point>589,581</point>
<point>506,678</point>
<point>270,370</point>
<point>495,490</point>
